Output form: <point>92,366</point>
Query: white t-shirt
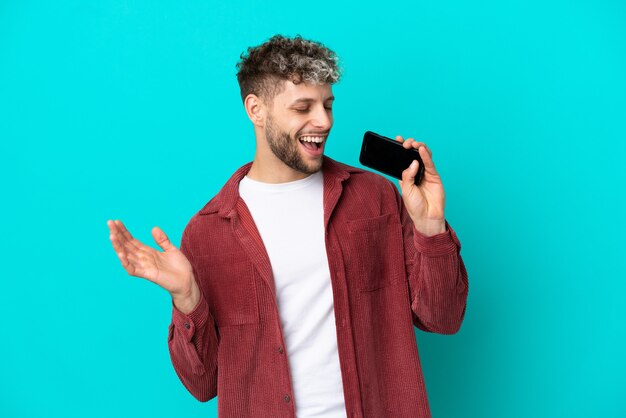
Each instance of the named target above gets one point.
<point>290,220</point>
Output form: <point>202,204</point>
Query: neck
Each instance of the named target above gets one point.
<point>273,171</point>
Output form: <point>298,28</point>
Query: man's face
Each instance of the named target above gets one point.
<point>298,124</point>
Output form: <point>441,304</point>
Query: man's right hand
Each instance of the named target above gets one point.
<point>170,269</point>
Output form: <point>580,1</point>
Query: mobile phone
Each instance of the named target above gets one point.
<point>389,156</point>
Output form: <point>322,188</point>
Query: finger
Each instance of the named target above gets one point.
<point>408,175</point>
<point>161,239</point>
<point>416,144</point>
<point>126,261</point>
<point>117,246</point>
<point>412,143</point>
<point>399,138</point>
<point>429,165</point>
<point>125,237</point>
<point>123,230</point>
<point>114,227</point>
<point>126,249</point>
<point>123,258</point>
<point>127,240</point>
<point>133,265</point>
<point>121,244</point>
<point>116,232</point>
<point>131,258</point>
<point>421,144</point>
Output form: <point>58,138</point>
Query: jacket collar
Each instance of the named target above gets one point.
<point>226,199</point>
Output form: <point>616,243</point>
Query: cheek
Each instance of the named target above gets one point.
<point>297,129</point>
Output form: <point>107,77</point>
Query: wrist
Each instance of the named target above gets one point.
<point>430,227</point>
<point>187,301</point>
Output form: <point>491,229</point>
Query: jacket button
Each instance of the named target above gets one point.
<point>187,325</point>
<point>280,350</point>
<point>287,398</point>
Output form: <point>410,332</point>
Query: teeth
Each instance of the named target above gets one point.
<point>317,139</point>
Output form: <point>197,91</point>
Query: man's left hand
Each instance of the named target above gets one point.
<point>425,203</point>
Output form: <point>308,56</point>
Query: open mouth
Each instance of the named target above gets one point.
<point>312,143</point>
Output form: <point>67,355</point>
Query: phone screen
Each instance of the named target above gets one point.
<point>388,156</point>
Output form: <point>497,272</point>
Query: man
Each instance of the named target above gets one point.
<point>297,286</point>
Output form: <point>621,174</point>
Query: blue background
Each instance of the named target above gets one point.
<point>130,110</point>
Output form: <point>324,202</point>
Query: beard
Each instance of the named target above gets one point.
<point>287,149</point>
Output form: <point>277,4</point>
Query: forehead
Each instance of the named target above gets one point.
<point>303,92</point>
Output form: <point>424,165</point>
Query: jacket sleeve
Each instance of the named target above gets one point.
<point>437,278</point>
<point>193,342</point>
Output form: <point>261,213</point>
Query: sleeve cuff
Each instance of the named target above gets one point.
<point>188,323</point>
<point>445,243</point>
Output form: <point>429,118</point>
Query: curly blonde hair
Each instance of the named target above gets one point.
<point>264,68</point>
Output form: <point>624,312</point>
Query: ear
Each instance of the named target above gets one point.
<point>256,109</point>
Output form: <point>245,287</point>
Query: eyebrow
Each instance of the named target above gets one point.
<point>309,100</point>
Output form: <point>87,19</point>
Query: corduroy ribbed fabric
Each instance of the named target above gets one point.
<point>385,276</point>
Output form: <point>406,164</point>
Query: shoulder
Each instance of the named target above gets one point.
<point>364,191</point>
<point>359,177</point>
<point>225,200</point>
<point>198,223</point>
<point>371,183</point>
<point>209,218</point>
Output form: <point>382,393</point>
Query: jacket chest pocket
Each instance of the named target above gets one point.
<point>375,252</point>
<point>227,281</point>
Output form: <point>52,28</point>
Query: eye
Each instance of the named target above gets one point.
<point>302,110</point>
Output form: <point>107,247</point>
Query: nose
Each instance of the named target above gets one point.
<point>322,118</point>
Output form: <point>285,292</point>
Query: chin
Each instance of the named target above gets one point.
<point>314,166</point>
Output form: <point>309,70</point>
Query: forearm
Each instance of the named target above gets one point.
<point>192,343</point>
<point>439,282</point>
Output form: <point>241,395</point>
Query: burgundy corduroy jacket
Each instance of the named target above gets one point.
<point>385,275</point>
